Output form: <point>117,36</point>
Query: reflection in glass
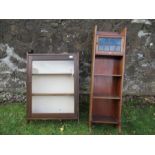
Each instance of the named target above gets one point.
<point>45,67</point>
<point>52,84</point>
<point>52,104</point>
<point>112,48</point>
<point>118,48</point>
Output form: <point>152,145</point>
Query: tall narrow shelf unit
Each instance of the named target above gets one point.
<point>108,60</point>
<point>52,86</point>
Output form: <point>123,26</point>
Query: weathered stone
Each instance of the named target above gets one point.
<point>14,29</point>
<point>2,53</point>
<point>54,25</point>
<point>17,37</point>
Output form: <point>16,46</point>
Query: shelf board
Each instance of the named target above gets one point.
<point>107,97</point>
<point>108,34</point>
<point>52,74</point>
<point>110,53</point>
<point>104,119</point>
<point>52,94</point>
<point>109,75</point>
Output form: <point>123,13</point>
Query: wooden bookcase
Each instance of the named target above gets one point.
<point>108,60</point>
<point>52,86</point>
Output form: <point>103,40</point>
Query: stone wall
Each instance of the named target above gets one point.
<point>54,36</point>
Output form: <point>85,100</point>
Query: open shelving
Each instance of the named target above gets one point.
<point>108,59</point>
<point>52,86</point>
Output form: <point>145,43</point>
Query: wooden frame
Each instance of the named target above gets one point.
<point>53,57</point>
<point>107,72</point>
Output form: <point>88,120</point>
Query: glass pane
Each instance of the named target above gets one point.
<point>109,44</point>
<point>45,67</point>
<point>118,42</point>
<point>106,48</point>
<point>103,41</point>
<point>112,48</point>
<point>118,48</point>
<point>112,41</point>
<point>52,84</point>
<point>101,48</point>
<point>53,104</point>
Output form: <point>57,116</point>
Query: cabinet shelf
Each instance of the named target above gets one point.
<point>102,53</point>
<point>104,119</point>
<point>52,94</point>
<point>107,97</point>
<point>109,75</point>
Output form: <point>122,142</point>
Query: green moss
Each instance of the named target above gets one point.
<point>137,118</point>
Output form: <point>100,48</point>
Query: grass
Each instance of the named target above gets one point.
<point>137,118</point>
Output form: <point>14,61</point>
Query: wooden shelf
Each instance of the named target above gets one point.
<point>109,75</point>
<point>107,97</point>
<point>108,34</point>
<point>104,119</point>
<point>52,94</point>
<point>110,53</point>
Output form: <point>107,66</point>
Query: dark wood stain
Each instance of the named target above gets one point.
<point>52,116</point>
<point>107,73</point>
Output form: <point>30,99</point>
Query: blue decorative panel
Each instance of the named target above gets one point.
<point>109,44</point>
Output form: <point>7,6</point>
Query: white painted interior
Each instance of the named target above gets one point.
<point>54,66</point>
<point>53,104</point>
<point>52,84</point>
